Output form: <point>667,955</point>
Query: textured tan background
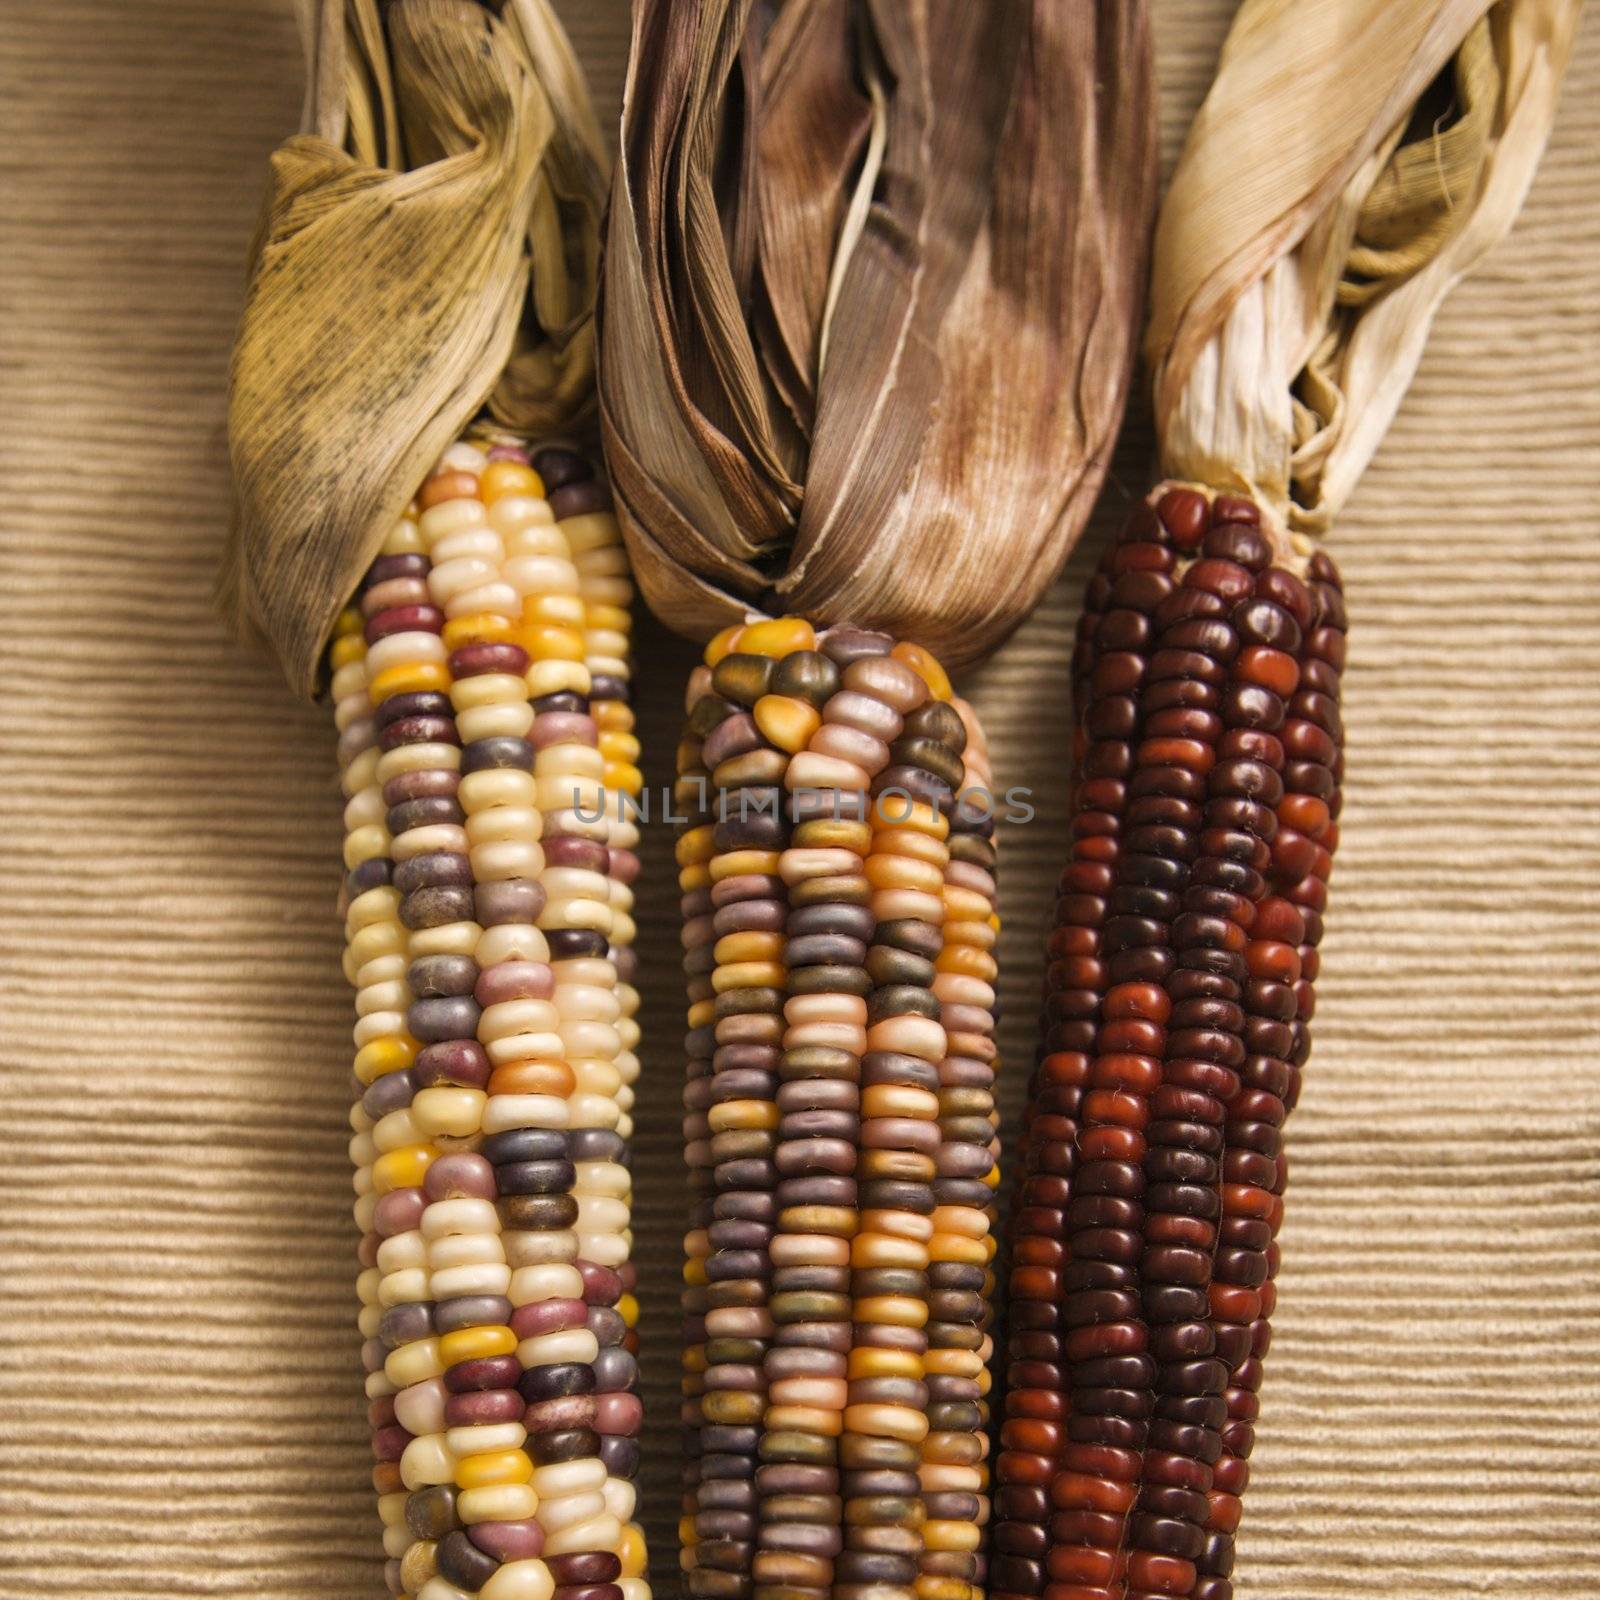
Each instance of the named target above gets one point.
<point>178,1405</point>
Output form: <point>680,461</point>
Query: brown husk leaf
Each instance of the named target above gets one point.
<point>872,277</point>
<point>429,247</point>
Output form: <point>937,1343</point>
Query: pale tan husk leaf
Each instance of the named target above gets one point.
<point>429,248</point>
<point>872,280</point>
<point>1291,297</point>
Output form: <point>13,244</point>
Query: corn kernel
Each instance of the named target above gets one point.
<point>482,628</point>
<point>382,1056</point>
<point>402,1169</point>
<point>723,644</point>
<point>497,1467</point>
<point>410,678</point>
<point>927,667</point>
<point>475,1344</point>
<point>501,479</point>
<point>777,637</point>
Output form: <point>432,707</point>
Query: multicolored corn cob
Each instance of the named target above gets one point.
<point>1178,1000</point>
<point>837,870</point>
<point>480,686</point>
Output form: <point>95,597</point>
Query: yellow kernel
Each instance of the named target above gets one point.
<point>926,666</point>
<point>953,1363</point>
<point>892,1310</point>
<point>878,1250</point>
<point>550,642</point>
<point>908,842</point>
<point>502,479</point>
<point>787,722</point>
<point>618,746</point>
<point>348,621</point>
<point>484,628</point>
<point>833,833</point>
<point>628,1309</point>
<point>805,1419</point>
<point>401,1169</point>
<point>749,975</point>
<point>692,878</point>
<point>965,1220</point>
<point>778,637</point>
<point>347,647</point>
<point>702,1013</point>
<point>831,1222</point>
<point>474,1344</point>
<point>952,1247</point>
<point>750,945</point>
<point>632,1552</point>
<point>903,872</point>
<point>379,1056</point>
<point>624,776</point>
<point>409,677</point>
<point>723,644</point>
<point>896,811</point>
<point>736,863</point>
<point>929,1587</point>
<point>742,1114</point>
<point>554,611</point>
<point>497,1466</point>
<point>612,619</point>
<point>965,961</point>
<point>963,905</point>
<point>942,1535</point>
<point>899,1100</point>
<point>695,846</point>
<point>612,716</point>
<point>980,935</point>
<point>866,1362</point>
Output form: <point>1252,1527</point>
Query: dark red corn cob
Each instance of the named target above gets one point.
<point>1178,993</point>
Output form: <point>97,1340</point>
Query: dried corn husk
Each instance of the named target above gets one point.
<point>871,279</point>
<point>429,247</point>
<point>1291,298</point>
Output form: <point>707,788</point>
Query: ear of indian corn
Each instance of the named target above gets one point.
<point>488,902</point>
<point>1178,998</point>
<point>839,912</point>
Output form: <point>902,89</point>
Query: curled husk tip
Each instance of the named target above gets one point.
<point>428,251</point>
